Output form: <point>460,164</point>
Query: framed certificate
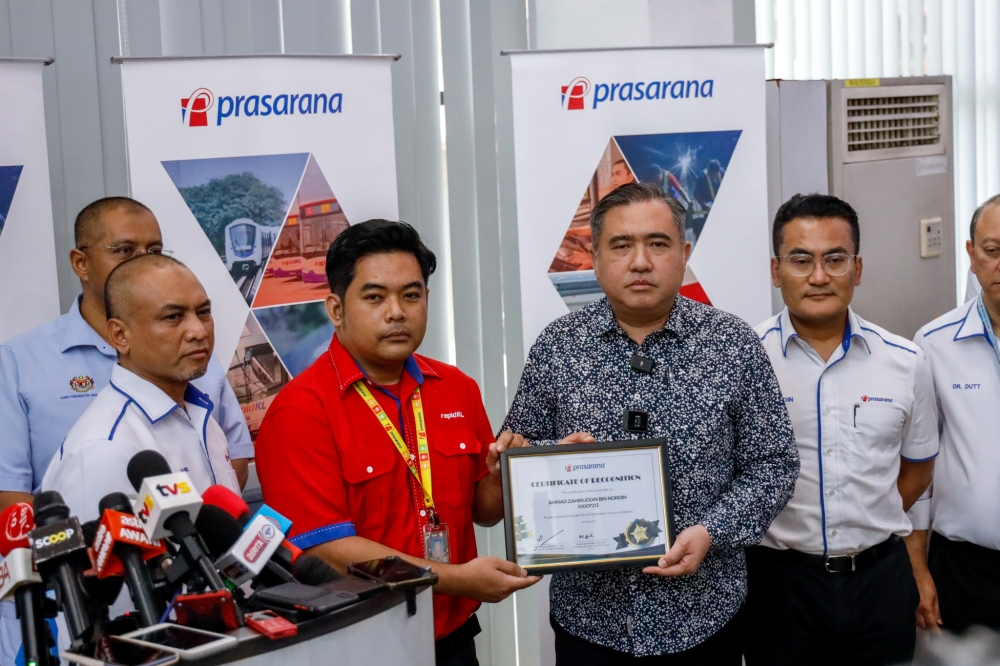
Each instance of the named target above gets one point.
<point>604,505</point>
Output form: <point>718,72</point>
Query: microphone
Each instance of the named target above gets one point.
<point>169,502</point>
<point>100,594</point>
<point>287,554</point>
<point>122,547</point>
<point>19,579</point>
<point>61,557</point>
<point>243,554</point>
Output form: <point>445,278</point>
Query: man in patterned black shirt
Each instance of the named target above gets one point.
<point>711,393</point>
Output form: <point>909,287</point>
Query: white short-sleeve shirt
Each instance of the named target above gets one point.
<point>965,505</point>
<point>131,415</point>
<point>854,417</point>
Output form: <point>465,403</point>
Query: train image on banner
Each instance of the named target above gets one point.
<point>320,223</point>
<point>248,247</point>
<point>286,260</point>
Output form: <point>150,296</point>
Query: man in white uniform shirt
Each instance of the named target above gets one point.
<point>964,355</point>
<point>831,582</point>
<point>160,323</point>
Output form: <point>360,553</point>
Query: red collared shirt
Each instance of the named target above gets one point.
<point>327,464</point>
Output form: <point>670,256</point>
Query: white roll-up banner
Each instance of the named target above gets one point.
<point>689,119</point>
<point>29,295</point>
<point>253,166</point>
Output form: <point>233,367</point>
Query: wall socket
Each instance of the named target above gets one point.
<point>931,237</point>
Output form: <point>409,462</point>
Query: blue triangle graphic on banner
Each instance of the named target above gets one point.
<point>9,175</point>
<point>690,166</point>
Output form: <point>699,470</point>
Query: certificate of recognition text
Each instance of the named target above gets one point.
<point>575,508</point>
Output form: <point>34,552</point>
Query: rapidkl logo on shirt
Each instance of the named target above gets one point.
<point>196,106</point>
<point>575,95</point>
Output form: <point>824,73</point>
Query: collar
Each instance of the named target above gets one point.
<point>602,318</point>
<point>854,329</point>
<point>154,404</point>
<point>78,333</point>
<point>348,371</point>
<point>972,324</point>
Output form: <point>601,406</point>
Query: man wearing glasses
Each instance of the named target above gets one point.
<point>831,582</point>
<point>964,355</point>
<point>50,375</point>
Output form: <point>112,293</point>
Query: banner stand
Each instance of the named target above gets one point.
<point>691,119</point>
<point>253,165</point>
<point>27,237</point>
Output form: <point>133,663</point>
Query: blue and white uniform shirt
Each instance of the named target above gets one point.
<point>966,500</point>
<point>51,374</point>
<point>132,415</point>
<point>854,417</point>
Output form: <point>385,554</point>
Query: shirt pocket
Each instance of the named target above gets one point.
<point>454,465</point>
<point>880,426</point>
<point>370,487</point>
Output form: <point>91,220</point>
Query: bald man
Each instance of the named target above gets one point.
<point>160,324</point>
<point>50,375</point>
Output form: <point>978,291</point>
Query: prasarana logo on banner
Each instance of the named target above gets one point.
<point>195,107</point>
<point>575,95</point>
<point>252,206</point>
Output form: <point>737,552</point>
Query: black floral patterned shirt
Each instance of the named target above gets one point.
<point>714,396</point>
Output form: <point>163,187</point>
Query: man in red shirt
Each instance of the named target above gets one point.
<point>376,451</point>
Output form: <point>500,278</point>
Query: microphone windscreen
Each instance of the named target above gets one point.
<point>102,590</point>
<point>17,520</point>
<point>90,531</point>
<point>227,500</point>
<point>116,502</point>
<point>218,529</point>
<point>49,507</point>
<point>311,570</point>
<point>145,464</point>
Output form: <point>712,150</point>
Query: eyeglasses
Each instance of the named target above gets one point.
<point>803,265</point>
<point>126,251</point>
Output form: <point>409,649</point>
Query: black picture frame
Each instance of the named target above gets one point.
<point>612,561</point>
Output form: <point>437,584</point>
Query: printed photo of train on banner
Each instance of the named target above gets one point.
<point>271,219</point>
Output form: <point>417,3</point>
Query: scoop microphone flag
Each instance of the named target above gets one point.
<point>121,547</point>
<point>20,580</point>
<point>168,505</point>
<point>61,557</point>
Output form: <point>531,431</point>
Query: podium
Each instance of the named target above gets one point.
<point>378,630</point>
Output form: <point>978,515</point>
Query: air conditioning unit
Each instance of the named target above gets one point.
<point>885,147</point>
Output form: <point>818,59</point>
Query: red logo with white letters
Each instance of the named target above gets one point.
<point>573,94</point>
<point>194,108</point>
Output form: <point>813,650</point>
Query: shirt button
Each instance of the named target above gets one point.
<point>422,513</point>
<point>412,456</point>
<point>370,469</point>
<point>830,493</point>
<point>829,452</point>
<point>462,445</point>
<point>833,533</point>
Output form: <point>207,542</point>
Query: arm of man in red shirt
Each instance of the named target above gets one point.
<point>298,463</point>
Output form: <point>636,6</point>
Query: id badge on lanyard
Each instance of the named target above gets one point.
<point>437,537</point>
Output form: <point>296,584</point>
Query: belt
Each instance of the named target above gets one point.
<point>850,562</point>
<point>446,645</point>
